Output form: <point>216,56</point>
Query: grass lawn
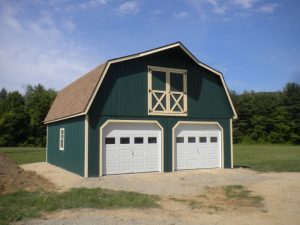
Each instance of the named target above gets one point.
<point>278,158</point>
<point>264,158</point>
<point>22,204</point>
<point>25,155</point>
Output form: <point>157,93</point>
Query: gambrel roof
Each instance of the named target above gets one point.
<point>76,99</point>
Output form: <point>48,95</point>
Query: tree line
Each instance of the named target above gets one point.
<point>22,116</point>
<point>263,117</point>
<point>268,117</point>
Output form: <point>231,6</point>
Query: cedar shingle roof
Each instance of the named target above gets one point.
<point>74,98</point>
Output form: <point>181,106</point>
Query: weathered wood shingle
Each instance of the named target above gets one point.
<point>74,98</point>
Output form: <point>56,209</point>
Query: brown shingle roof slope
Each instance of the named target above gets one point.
<point>74,98</point>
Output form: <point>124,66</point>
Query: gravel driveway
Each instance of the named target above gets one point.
<point>281,192</point>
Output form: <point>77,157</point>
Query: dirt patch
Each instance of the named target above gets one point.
<point>14,178</point>
<point>229,198</point>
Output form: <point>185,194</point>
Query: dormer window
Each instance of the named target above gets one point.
<point>167,91</point>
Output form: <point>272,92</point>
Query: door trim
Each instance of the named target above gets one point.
<point>196,123</point>
<point>129,122</point>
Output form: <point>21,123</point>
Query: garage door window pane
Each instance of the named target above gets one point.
<point>202,139</point>
<point>124,140</point>
<point>138,140</point>
<point>213,139</point>
<point>109,141</point>
<point>191,140</point>
<point>179,140</point>
<point>152,140</point>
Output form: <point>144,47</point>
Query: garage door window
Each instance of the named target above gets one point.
<point>138,140</point>
<point>152,140</point>
<point>167,91</point>
<point>124,140</point>
<point>109,141</point>
<point>202,139</point>
<point>191,140</point>
<point>213,139</point>
<point>179,140</point>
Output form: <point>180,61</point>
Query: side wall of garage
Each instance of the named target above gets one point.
<point>166,123</point>
<point>72,157</point>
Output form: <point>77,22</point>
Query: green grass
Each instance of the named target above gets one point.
<point>266,158</point>
<point>25,155</point>
<point>22,204</point>
<point>245,197</point>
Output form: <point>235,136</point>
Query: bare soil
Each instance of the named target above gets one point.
<point>187,197</point>
<point>14,178</point>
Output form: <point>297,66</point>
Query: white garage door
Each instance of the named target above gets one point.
<point>197,146</point>
<point>131,148</point>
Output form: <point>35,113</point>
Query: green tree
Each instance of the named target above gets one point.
<point>38,101</point>
<point>291,101</point>
<point>14,121</point>
<point>3,101</point>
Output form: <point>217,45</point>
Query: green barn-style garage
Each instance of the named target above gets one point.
<point>157,111</point>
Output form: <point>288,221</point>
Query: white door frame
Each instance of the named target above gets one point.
<point>129,122</point>
<point>196,123</point>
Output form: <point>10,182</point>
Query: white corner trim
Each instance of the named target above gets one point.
<point>231,143</point>
<point>128,121</point>
<point>47,143</point>
<point>197,123</point>
<point>86,146</point>
<point>155,51</point>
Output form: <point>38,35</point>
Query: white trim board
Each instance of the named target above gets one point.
<point>86,146</point>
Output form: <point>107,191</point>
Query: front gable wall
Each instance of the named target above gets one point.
<point>123,91</point>
<point>123,96</point>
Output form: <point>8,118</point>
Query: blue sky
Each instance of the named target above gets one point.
<point>255,43</point>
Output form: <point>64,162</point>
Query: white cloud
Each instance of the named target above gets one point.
<point>129,7</point>
<point>69,25</point>
<point>240,8</point>
<point>91,4</point>
<point>268,8</point>
<point>221,10</point>
<point>247,4</point>
<point>37,51</point>
<point>157,12</point>
<point>181,14</point>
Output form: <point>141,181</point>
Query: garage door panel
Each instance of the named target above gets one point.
<point>215,163</point>
<point>202,163</point>
<point>124,153</point>
<point>180,151</point>
<point>205,152</point>
<point>152,152</point>
<point>112,154</point>
<point>125,167</point>
<point>191,152</point>
<point>138,153</point>
<point>192,163</point>
<point>138,166</point>
<point>112,167</point>
<point>152,165</point>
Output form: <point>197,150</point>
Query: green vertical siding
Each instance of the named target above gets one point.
<point>72,157</point>
<point>123,95</point>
